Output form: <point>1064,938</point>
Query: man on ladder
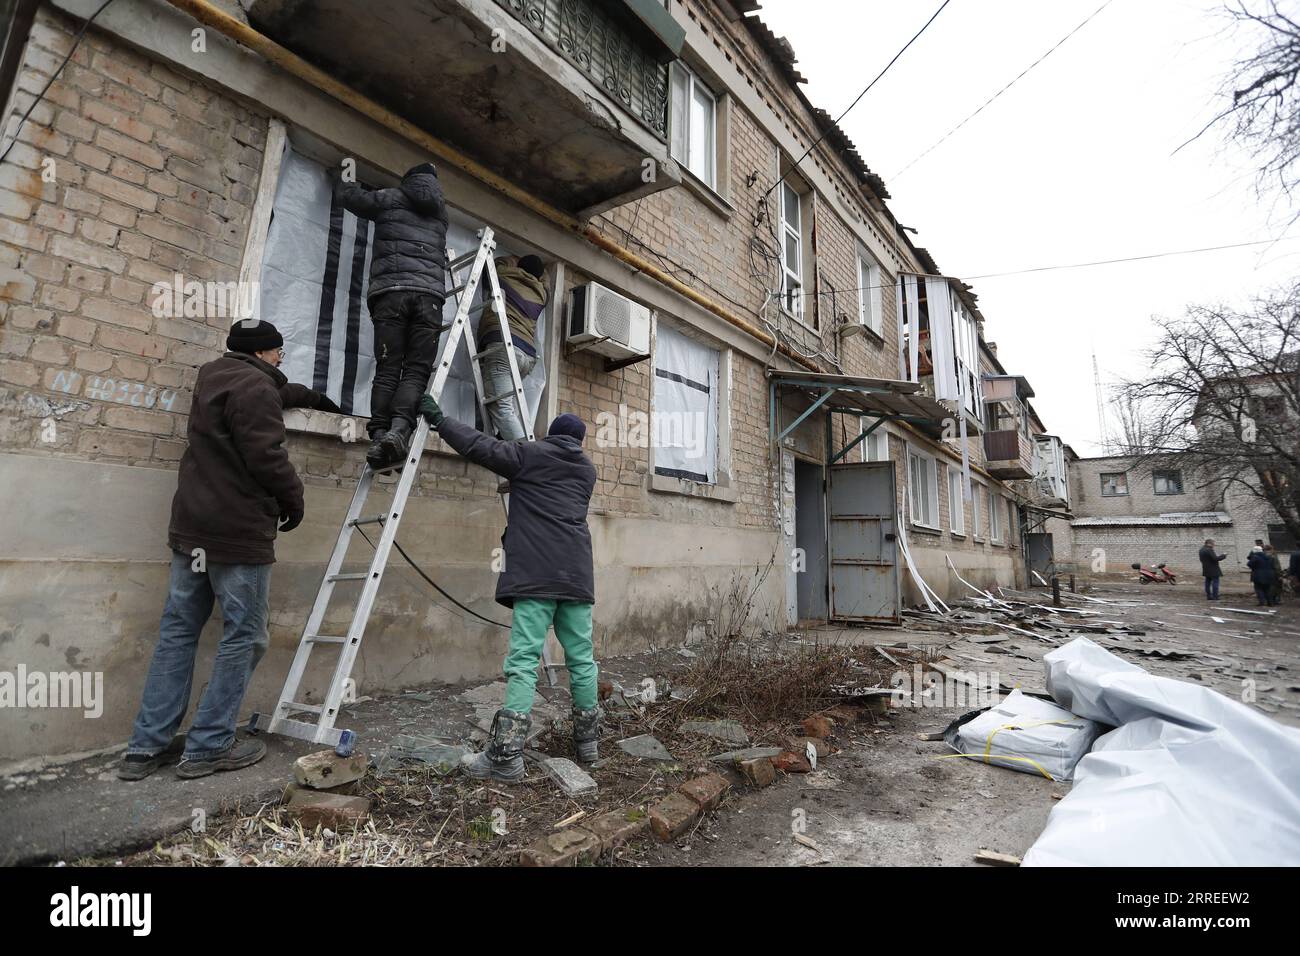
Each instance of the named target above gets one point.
<point>547,580</point>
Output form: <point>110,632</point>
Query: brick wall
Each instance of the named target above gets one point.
<point>126,174</point>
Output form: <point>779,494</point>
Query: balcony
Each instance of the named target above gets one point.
<point>1008,454</point>
<point>567,98</point>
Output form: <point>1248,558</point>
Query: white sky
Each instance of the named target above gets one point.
<point>1074,163</point>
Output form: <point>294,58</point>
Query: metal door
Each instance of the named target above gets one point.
<point>1039,555</point>
<point>862,544</point>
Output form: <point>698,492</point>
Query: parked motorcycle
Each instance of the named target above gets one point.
<point>1160,574</point>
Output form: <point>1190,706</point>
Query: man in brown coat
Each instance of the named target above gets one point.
<point>235,486</point>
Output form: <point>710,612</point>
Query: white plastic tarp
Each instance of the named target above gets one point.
<point>315,277</point>
<point>1189,777</point>
<point>684,425</point>
<point>1027,734</point>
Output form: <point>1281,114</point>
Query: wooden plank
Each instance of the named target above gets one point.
<point>259,223</point>
<point>990,858</point>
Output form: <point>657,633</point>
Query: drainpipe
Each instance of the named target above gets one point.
<point>216,18</point>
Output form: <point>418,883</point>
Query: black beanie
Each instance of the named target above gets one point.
<point>422,168</point>
<point>568,424</point>
<point>250,337</point>
<point>533,266</point>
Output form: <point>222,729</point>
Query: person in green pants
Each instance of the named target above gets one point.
<point>548,580</point>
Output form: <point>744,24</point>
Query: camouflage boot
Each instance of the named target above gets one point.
<point>586,733</point>
<point>504,757</point>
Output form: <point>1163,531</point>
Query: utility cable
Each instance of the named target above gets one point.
<point>433,584</point>
<point>1001,91</point>
<point>836,122</point>
<point>54,76</point>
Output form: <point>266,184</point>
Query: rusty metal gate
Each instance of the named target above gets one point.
<point>862,543</point>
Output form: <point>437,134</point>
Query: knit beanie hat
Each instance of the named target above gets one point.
<point>422,168</point>
<point>252,337</point>
<point>568,424</point>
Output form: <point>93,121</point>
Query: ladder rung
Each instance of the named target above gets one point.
<point>293,705</point>
<point>324,639</point>
<point>351,576</point>
<point>498,398</point>
<point>373,519</point>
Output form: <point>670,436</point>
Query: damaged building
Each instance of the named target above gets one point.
<point>783,393</point>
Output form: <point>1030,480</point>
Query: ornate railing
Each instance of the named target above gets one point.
<point>596,38</point>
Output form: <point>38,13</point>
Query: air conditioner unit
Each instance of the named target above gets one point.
<point>607,323</point>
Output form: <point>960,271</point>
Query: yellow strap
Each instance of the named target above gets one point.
<point>1033,763</point>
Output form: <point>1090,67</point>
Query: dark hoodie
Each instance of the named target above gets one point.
<point>410,250</point>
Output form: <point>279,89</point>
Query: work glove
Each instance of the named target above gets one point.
<point>291,519</point>
<point>431,412</point>
<point>325,404</point>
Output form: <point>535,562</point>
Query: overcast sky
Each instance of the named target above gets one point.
<point>1074,163</point>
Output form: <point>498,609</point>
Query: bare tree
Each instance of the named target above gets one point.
<point>1264,110</point>
<point>1222,399</point>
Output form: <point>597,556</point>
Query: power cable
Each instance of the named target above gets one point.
<point>54,76</point>
<point>433,584</point>
<point>1001,91</point>
<point>836,122</point>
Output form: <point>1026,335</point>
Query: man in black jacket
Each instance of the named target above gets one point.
<point>234,486</point>
<point>1210,569</point>
<point>547,581</point>
<point>407,289</point>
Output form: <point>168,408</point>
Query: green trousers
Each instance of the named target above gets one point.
<point>532,619</point>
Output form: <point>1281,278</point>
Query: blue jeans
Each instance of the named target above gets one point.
<point>1212,588</point>
<point>496,381</point>
<point>243,591</point>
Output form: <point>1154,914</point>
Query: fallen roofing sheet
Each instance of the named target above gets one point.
<point>1189,777</point>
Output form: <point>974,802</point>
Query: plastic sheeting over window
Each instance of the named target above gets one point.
<point>315,277</point>
<point>684,424</point>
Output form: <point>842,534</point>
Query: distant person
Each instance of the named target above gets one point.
<point>1210,569</point>
<point>1261,574</point>
<point>524,293</point>
<point>1275,589</point>
<point>235,485</point>
<point>407,289</point>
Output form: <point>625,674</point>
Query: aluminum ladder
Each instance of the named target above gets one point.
<point>287,716</point>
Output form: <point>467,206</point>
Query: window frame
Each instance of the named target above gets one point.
<point>956,503</point>
<point>877,438</point>
<point>785,232</point>
<point>1157,474</point>
<point>995,516</point>
<point>870,301</point>
<point>1103,475</point>
<point>932,489</point>
<point>692,81</point>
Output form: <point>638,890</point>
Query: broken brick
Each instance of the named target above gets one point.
<point>313,808</point>
<point>844,714</point>
<point>566,848</point>
<point>706,791</point>
<point>325,769</point>
<point>618,827</point>
<point>820,747</point>
<point>604,689</point>
<point>789,762</point>
<point>758,772</point>
<point>817,726</point>
<point>672,816</point>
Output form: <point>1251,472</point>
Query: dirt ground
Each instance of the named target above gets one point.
<point>886,797</point>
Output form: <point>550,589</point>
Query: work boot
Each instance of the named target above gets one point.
<point>396,442</point>
<point>586,733</point>
<point>240,753</point>
<point>139,766</point>
<point>504,757</point>
<point>375,453</point>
